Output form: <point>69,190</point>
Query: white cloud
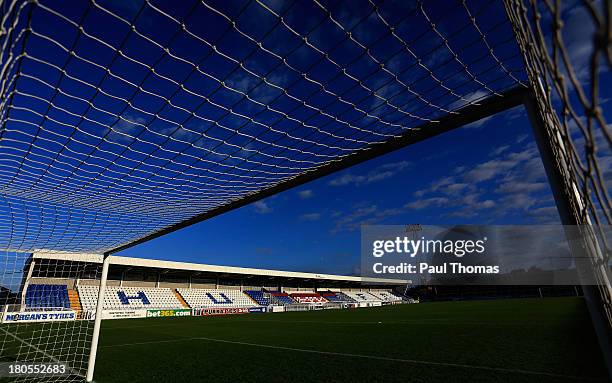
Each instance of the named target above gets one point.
<point>520,187</point>
<point>261,207</point>
<point>494,168</point>
<point>378,174</point>
<point>518,180</point>
<point>427,202</point>
<point>521,138</point>
<point>364,215</point>
<point>345,179</point>
<point>305,194</point>
<point>546,214</point>
<point>456,188</point>
<point>500,150</point>
<point>310,217</point>
<point>478,124</point>
<point>519,201</point>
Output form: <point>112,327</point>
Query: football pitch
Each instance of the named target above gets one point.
<point>530,340</point>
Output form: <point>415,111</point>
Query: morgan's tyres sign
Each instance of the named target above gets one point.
<point>38,316</point>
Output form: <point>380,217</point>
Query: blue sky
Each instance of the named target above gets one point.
<point>488,172</point>
<point>127,117</point>
<point>124,118</point>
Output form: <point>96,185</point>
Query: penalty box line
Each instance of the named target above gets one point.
<point>356,323</point>
<point>371,357</point>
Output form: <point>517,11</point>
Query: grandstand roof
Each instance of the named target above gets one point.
<point>197,267</point>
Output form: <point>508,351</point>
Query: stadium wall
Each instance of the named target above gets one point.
<point>95,282</point>
<point>174,285</point>
<point>70,282</point>
<point>203,286</point>
<point>137,283</point>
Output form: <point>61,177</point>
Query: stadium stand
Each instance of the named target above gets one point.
<point>281,299</point>
<point>336,297</point>
<point>47,296</point>
<point>342,295</point>
<point>308,298</point>
<point>330,296</point>
<point>362,297</point>
<point>385,296</point>
<point>199,298</point>
<point>130,297</point>
<point>258,296</point>
<point>75,301</point>
<point>180,299</point>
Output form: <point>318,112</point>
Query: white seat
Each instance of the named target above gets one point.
<point>362,296</point>
<point>385,296</point>
<point>199,298</point>
<point>158,298</point>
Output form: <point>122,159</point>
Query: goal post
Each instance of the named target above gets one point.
<point>98,320</point>
<point>563,107</point>
<point>597,296</point>
<point>112,136</point>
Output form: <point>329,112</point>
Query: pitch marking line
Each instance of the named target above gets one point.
<point>356,323</point>
<point>372,357</point>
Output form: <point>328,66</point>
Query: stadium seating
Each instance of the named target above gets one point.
<point>308,298</point>
<point>166,298</point>
<point>362,297</point>
<point>200,298</point>
<point>330,296</point>
<point>258,296</point>
<point>75,301</point>
<point>130,298</point>
<point>282,299</point>
<point>336,297</point>
<point>345,297</point>
<point>47,296</point>
<point>385,296</point>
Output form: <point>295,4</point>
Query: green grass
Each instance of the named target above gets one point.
<point>531,340</point>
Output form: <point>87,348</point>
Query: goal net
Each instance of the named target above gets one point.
<point>568,57</point>
<point>42,322</point>
<point>122,121</point>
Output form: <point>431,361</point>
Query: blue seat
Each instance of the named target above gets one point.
<point>125,299</point>
<point>282,299</point>
<point>258,296</point>
<point>47,296</point>
<point>332,297</point>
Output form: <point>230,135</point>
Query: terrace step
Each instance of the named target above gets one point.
<point>180,298</point>
<point>75,301</point>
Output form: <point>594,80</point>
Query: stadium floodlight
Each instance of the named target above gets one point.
<point>121,124</point>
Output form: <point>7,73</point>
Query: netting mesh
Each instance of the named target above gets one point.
<point>121,119</point>
<point>37,286</point>
<point>569,67</point>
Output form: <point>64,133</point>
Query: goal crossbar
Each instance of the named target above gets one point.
<point>468,114</point>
